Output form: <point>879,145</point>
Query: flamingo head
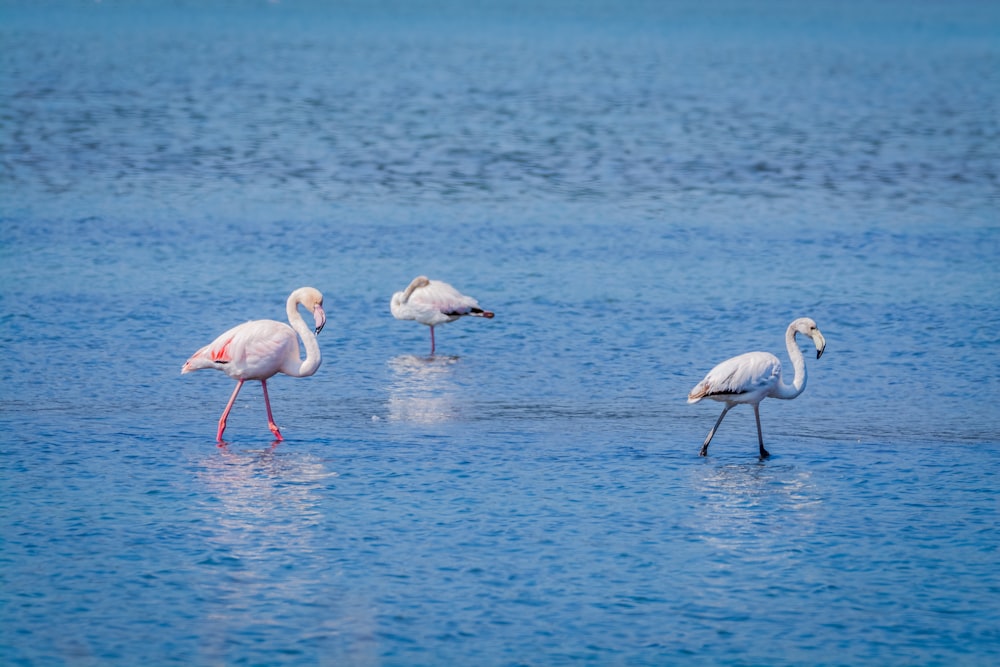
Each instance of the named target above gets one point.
<point>312,299</point>
<point>807,327</point>
<point>397,301</point>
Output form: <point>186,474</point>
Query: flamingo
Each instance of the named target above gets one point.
<point>433,302</point>
<point>259,349</point>
<point>754,376</point>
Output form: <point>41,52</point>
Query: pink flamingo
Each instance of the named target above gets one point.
<point>259,349</point>
<point>433,302</point>
<point>752,377</point>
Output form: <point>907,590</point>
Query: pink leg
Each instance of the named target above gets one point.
<point>225,413</point>
<point>270,420</point>
<point>432,341</point>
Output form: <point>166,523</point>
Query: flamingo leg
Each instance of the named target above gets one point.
<point>711,434</point>
<point>760,436</point>
<point>225,413</point>
<point>432,340</point>
<point>270,420</point>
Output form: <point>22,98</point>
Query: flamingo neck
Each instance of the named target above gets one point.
<point>419,281</point>
<point>798,384</point>
<point>305,332</point>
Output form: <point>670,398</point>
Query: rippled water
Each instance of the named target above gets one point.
<point>638,191</point>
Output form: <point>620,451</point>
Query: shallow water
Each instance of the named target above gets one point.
<point>638,192</point>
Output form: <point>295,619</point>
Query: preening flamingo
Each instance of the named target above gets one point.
<point>433,302</point>
<point>259,349</point>
<point>754,376</point>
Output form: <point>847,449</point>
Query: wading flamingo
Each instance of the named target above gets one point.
<point>433,302</point>
<point>259,349</point>
<point>754,376</point>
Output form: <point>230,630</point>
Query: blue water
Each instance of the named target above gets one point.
<point>639,191</point>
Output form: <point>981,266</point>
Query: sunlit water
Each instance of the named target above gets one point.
<point>638,191</point>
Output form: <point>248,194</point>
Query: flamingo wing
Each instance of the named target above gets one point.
<point>214,355</point>
<point>743,376</point>
<point>444,298</point>
<point>251,351</point>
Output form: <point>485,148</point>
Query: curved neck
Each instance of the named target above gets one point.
<point>419,281</point>
<point>798,384</point>
<point>305,332</point>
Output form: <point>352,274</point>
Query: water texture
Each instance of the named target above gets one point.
<point>639,191</point>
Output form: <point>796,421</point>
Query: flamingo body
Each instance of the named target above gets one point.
<point>747,378</point>
<point>255,350</point>
<point>754,376</point>
<point>433,302</point>
<point>260,349</point>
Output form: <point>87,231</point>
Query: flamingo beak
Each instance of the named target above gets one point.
<point>319,316</point>
<point>820,343</point>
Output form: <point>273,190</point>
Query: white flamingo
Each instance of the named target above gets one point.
<point>259,349</point>
<point>433,302</point>
<point>754,376</point>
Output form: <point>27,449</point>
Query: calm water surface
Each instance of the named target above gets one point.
<point>639,191</point>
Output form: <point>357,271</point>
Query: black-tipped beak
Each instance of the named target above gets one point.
<point>319,315</point>
<point>819,341</point>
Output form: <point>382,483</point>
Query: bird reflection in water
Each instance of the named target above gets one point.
<point>266,534</point>
<point>423,389</point>
<point>271,483</point>
<point>754,506</point>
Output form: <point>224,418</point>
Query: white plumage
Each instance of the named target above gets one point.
<point>433,302</point>
<point>754,376</point>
